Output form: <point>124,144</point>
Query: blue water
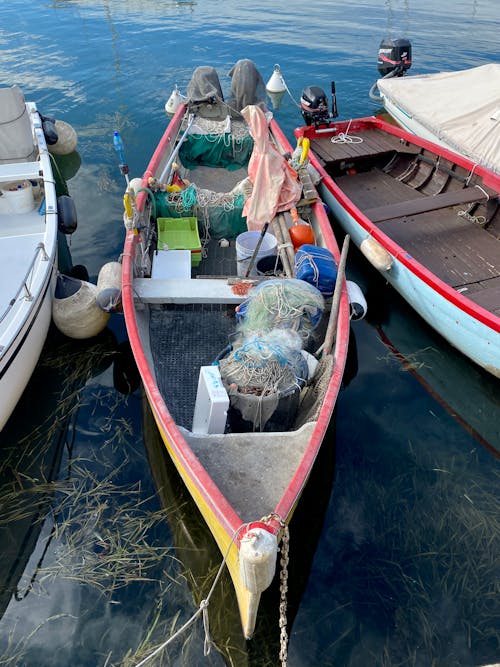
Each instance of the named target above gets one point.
<point>395,549</point>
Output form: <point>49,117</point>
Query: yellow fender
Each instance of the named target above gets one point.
<point>305,150</point>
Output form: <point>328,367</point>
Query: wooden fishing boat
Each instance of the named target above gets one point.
<point>244,460</point>
<point>28,244</point>
<point>427,219</point>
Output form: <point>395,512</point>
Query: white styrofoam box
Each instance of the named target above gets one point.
<point>171,264</point>
<point>212,402</point>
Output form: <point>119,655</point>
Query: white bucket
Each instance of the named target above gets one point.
<point>16,197</point>
<point>245,246</point>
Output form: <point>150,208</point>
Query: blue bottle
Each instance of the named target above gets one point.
<point>119,147</point>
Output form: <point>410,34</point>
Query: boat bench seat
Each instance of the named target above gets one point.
<point>425,204</point>
<point>15,171</point>
<point>185,290</point>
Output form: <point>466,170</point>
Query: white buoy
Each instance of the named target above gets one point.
<point>67,139</point>
<point>376,254</point>
<point>174,102</point>
<point>357,301</point>
<point>74,309</point>
<point>258,552</point>
<point>109,287</point>
<point>276,87</point>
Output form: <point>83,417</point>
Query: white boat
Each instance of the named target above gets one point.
<point>28,244</point>
<point>458,110</point>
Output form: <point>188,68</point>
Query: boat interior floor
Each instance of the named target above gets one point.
<point>204,330</point>
<point>424,207</point>
<point>252,472</point>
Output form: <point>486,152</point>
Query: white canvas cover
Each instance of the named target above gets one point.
<point>16,140</point>
<point>461,109</point>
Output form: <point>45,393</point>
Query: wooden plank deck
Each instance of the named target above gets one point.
<point>427,203</point>
<point>456,250</point>
<point>373,142</point>
<point>374,188</point>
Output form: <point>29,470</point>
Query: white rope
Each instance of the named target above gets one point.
<point>471,173</point>
<point>478,219</point>
<point>202,609</point>
<point>346,138</point>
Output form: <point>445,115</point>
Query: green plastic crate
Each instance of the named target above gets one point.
<point>180,234</point>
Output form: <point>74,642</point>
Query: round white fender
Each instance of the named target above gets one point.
<point>357,301</point>
<point>74,309</point>
<point>109,287</point>
<point>258,552</point>
<point>67,139</point>
<point>376,254</point>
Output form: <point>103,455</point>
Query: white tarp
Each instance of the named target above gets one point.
<point>461,109</point>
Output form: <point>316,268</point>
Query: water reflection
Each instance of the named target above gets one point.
<point>82,532</point>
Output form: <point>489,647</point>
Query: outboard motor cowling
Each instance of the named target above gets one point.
<point>394,57</point>
<point>314,105</point>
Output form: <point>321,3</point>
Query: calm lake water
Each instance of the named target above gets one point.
<point>395,547</point>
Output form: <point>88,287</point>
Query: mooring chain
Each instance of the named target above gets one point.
<point>285,543</point>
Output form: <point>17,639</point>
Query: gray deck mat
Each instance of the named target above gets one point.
<point>185,337</point>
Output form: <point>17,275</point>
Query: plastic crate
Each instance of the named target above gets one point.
<point>180,234</point>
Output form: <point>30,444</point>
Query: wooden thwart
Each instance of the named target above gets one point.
<point>424,204</point>
<point>185,290</point>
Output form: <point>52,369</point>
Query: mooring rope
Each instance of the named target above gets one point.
<point>202,610</point>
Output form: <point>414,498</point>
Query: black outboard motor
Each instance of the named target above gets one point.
<point>394,57</point>
<point>314,105</point>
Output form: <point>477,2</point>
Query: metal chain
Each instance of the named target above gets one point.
<point>285,543</point>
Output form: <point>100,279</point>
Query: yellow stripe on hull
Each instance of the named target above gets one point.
<point>248,602</point>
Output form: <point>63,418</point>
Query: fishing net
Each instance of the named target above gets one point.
<point>264,372</point>
<point>265,364</point>
<point>204,86</point>
<point>217,143</point>
<point>284,304</point>
<point>219,213</point>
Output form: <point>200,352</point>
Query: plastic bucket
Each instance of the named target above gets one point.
<point>17,198</point>
<point>267,266</point>
<point>245,247</point>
